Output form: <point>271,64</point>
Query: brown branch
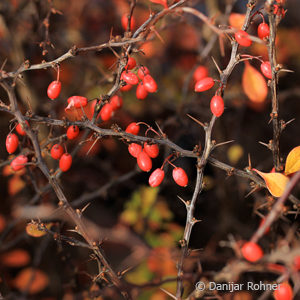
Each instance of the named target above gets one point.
<point>276,209</point>
<point>63,202</point>
<point>273,85</point>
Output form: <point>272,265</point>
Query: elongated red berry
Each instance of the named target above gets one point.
<point>265,68</point>
<point>131,63</point>
<point>149,84</point>
<point>19,162</point>
<point>156,177</point>
<point>124,22</point>
<point>129,78</point>
<point>20,129</point>
<point>200,73</point>
<point>11,143</point>
<point>217,105</point>
<point>180,176</point>
<point>263,30</point>
<point>77,102</point>
<point>65,162</point>
<point>204,84</point>
<point>144,161</point>
<point>242,38</point>
<point>252,252</point>
<point>72,132</point>
<point>283,292</point>
<point>116,102</point>
<point>106,112</point>
<point>126,88</point>
<point>151,150</point>
<point>142,72</point>
<point>141,92</point>
<point>54,89</point>
<point>57,151</point>
<point>133,128</point>
<point>134,149</point>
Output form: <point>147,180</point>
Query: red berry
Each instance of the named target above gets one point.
<point>106,112</point>
<point>200,73</point>
<point>149,84</point>
<point>72,132</point>
<point>11,143</point>
<point>265,68</point>
<point>57,151</point>
<point>124,22</point>
<point>180,176</point>
<point>142,71</point>
<point>131,63</point>
<point>77,101</point>
<point>133,128</point>
<point>263,30</point>
<point>20,129</point>
<point>252,252</point>
<point>242,37</point>
<point>126,88</point>
<point>204,84</point>
<point>134,149</point>
<point>141,92</point>
<point>151,150</point>
<point>278,10</point>
<point>65,162</point>
<point>54,89</point>
<point>144,161</point>
<point>296,263</point>
<point>116,102</point>
<point>130,78</point>
<point>19,162</point>
<point>217,105</point>
<point>284,292</point>
<point>156,177</point>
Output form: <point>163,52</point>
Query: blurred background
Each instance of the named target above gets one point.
<point>141,226</point>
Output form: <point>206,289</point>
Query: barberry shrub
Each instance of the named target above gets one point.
<point>149,145</point>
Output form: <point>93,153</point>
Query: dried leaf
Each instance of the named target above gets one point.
<point>292,164</point>
<point>254,84</point>
<point>276,182</point>
<point>236,20</point>
<point>32,229</point>
<point>31,280</point>
<point>15,258</point>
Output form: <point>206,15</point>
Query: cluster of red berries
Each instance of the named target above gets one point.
<point>144,81</point>
<point>204,83</point>
<point>12,143</point>
<point>144,155</point>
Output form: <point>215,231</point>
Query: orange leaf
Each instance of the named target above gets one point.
<point>32,280</point>
<point>15,258</point>
<point>162,2</point>
<point>236,20</point>
<point>15,185</point>
<point>276,182</point>
<point>32,229</point>
<point>292,163</point>
<point>254,84</point>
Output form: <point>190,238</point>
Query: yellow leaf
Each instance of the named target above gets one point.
<point>236,20</point>
<point>32,229</point>
<point>276,182</point>
<point>292,164</point>
<point>234,153</point>
<point>254,84</point>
